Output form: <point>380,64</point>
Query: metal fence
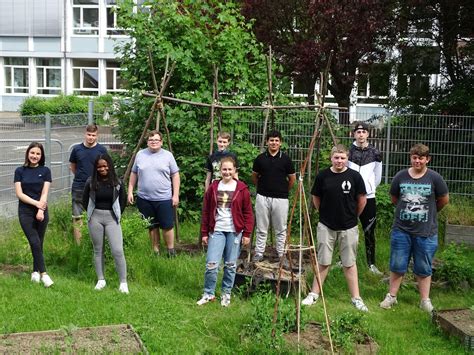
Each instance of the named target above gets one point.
<point>58,135</point>
<point>450,138</point>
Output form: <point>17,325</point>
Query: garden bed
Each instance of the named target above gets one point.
<point>119,338</point>
<point>458,323</point>
<point>459,234</point>
<point>314,341</point>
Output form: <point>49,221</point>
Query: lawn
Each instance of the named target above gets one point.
<point>162,307</point>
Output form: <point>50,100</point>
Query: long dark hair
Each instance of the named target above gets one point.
<point>112,178</point>
<point>31,146</point>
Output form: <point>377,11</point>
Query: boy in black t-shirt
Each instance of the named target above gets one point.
<point>339,195</point>
<point>213,163</point>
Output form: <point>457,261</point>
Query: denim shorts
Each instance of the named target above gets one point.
<point>77,207</point>
<point>403,246</point>
<point>160,213</point>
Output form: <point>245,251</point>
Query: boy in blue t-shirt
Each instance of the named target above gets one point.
<point>82,164</point>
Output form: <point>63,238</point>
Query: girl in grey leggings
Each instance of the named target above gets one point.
<point>105,199</point>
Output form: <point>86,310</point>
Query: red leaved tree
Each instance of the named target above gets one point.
<point>303,33</point>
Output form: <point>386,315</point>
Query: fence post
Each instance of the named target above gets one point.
<point>90,112</point>
<point>47,140</point>
<point>387,151</point>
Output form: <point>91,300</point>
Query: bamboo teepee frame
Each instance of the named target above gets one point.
<point>215,107</point>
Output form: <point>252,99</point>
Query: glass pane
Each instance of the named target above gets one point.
<point>76,16</point>
<point>119,82</point>
<point>48,62</point>
<point>90,18</point>
<point>111,2</point>
<point>90,78</point>
<point>110,79</point>
<point>48,92</point>
<point>110,18</point>
<point>112,64</point>
<point>362,85</point>
<point>76,78</point>
<point>20,76</point>
<point>40,77</point>
<point>84,63</point>
<point>86,2</point>
<point>8,76</point>
<point>53,78</point>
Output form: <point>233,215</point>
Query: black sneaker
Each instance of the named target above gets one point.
<point>171,253</point>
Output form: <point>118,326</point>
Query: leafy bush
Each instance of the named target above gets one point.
<point>261,326</point>
<point>455,267</point>
<point>385,207</point>
<point>64,104</point>
<point>348,329</point>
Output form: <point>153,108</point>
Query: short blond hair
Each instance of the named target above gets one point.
<point>339,148</point>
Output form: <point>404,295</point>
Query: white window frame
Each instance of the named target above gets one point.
<point>115,30</point>
<point>83,30</point>
<point>81,90</point>
<point>44,69</point>
<point>10,87</point>
<point>114,80</point>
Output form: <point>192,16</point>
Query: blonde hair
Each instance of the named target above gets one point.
<point>339,148</point>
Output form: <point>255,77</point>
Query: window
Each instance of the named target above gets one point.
<point>48,76</point>
<point>85,76</point>
<point>373,80</point>
<point>114,81</point>
<point>85,17</point>
<point>112,28</point>
<point>16,75</point>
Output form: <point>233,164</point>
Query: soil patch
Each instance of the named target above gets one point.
<point>7,269</point>
<point>119,338</point>
<point>314,341</point>
<point>192,248</point>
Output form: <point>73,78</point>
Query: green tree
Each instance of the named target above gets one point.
<point>197,35</point>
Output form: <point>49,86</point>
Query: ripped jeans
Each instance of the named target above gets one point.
<point>221,244</point>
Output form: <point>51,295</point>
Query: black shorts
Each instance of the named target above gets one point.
<point>159,213</point>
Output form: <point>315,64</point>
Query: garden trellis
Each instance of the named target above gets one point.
<point>215,108</point>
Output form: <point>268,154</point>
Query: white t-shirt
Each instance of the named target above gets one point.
<point>225,194</point>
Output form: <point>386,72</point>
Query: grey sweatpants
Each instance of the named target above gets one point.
<point>101,224</point>
<point>274,210</point>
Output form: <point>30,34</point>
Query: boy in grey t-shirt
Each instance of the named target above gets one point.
<point>418,193</point>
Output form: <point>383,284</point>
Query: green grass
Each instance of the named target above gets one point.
<point>161,304</point>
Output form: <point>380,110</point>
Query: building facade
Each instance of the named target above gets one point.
<point>48,47</point>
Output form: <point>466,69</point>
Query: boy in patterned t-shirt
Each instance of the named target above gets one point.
<point>418,194</point>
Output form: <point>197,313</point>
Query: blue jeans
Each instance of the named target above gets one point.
<point>221,244</point>
<point>403,246</point>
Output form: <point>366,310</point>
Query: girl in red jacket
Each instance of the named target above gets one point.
<point>227,221</point>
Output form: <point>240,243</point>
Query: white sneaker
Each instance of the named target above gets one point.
<point>373,269</point>
<point>100,285</point>
<point>426,305</point>
<point>35,277</point>
<point>123,287</point>
<point>206,298</point>
<point>311,299</point>
<point>388,302</point>
<point>359,304</point>
<point>46,280</point>
<point>225,300</point>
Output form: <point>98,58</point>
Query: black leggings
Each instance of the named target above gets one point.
<point>34,231</point>
<point>368,219</point>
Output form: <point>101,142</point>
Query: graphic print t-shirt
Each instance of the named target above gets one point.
<point>225,194</point>
<point>416,208</point>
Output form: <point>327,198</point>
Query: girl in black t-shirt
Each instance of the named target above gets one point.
<point>32,181</point>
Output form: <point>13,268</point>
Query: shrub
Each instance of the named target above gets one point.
<point>348,329</point>
<point>64,104</point>
<point>455,267</point>
<point>261,326</point>
<point>385,206</point>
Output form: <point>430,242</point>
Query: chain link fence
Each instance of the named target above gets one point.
<point>450,138</point>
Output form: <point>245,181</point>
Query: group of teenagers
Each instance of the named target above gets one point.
<point>343,194</point>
